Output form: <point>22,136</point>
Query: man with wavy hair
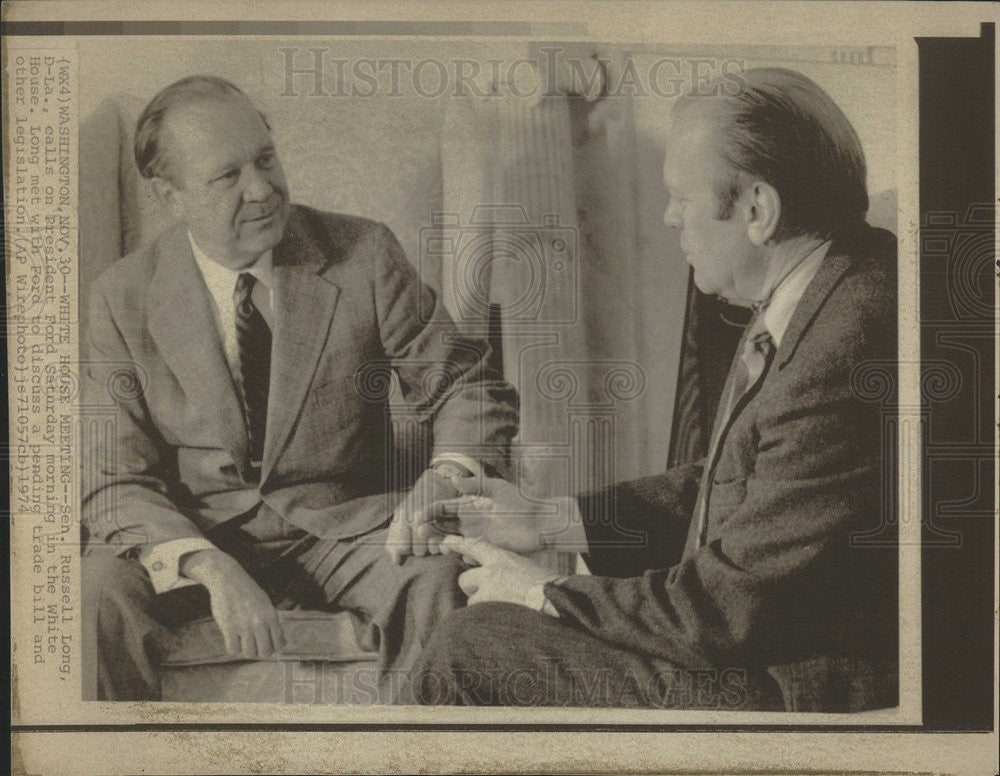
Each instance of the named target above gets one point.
<point>764,576</point>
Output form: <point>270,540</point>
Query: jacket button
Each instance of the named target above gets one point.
<point>158,566</point>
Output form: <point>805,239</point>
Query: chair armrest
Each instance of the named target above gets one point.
<point>309,635</point>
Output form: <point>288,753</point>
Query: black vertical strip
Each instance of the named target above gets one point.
<point>5,457</point>
<point>495,339</point>
<point>712,331</point>
<point>957,308</point>
<point>685,439</point>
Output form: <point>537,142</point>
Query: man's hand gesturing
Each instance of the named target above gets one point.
<point>501,575</point>
<point>497,511</point>
<point>403,537</point>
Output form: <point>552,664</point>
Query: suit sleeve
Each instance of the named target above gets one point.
<point>777,579</point>
<point>129,469</point>
<point>442,373</point>
<point>641,524</point>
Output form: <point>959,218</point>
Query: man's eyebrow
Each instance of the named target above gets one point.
<point>221,169</point>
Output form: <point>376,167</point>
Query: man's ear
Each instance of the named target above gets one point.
<point>763,209</point>
<point>166,194</point>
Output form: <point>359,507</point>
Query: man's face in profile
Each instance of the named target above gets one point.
<point>225,179</point>
<point>718,249</point>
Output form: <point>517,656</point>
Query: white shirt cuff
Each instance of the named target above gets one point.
<point>162,562</point>
<point>465,461</point>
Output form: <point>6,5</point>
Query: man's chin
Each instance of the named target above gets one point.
<point>706,284</point>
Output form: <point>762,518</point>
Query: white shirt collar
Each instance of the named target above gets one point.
<point>221,280</point>
<point>785,298</point>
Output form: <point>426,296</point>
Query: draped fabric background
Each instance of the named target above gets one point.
<point>535,175</point>
<point>549,209</point>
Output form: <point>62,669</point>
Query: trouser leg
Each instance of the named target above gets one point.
<point>127,627</point>
<point>496,654</point>
<point>400,605</point>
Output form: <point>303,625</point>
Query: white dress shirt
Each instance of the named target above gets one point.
<point>221,283</point>
<point>162,561</point>
<point>794,279</point>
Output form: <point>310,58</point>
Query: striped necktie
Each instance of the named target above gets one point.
<point>253,341</point>
<point>757,353</point>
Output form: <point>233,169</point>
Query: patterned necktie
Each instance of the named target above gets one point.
<point>755,359</point>
<point>253,341</point>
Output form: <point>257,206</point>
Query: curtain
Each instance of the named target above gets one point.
<point>544,217</point>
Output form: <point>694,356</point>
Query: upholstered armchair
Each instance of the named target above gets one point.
<point>323,658</point>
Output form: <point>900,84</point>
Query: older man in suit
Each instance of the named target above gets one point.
<point>248,354</point>
<point>744,581</point>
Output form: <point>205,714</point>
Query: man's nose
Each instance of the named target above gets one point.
<point>257,185</point>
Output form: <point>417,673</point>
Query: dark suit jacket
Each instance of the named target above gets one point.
<point>169,448</point>
<point>786,583</point>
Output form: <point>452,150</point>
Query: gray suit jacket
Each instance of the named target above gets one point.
<point>798,577</point>
<point>169,447</point>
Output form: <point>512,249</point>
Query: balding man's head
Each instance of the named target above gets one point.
<point>148,147</point>
<point>212,161</point>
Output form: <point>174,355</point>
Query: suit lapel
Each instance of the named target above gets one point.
<point>834,265</point>
<point>304,303</point>
<point>719,427</point>
<point>183,325</point>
